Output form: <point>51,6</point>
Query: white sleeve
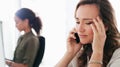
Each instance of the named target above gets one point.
<point>116,63</point>
<point>115,59</point>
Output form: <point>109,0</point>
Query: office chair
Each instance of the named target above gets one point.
<point>40,53</point>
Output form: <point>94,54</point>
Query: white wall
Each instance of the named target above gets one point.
<point>70,9</point>
<point>7,9</point>
<point>115,4</point>
<point>2,62</point>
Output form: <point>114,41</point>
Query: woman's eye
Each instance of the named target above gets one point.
<point>77,22</point>
<point>88,23</point>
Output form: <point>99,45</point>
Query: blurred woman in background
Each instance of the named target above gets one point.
<point>27,45</point>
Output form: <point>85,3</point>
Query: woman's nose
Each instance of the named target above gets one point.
<point>81,28</point>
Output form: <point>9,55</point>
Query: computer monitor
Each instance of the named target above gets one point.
<point>2,54</point>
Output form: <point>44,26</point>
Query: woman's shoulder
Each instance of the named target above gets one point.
<point>31,36</point>
<point>116,53</point>
<point>33,39</point>
<point>115,59</point>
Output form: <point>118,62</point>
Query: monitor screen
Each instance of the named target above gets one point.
<point>2,56</point>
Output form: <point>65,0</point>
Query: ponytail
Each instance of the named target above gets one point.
<point>36,25</point>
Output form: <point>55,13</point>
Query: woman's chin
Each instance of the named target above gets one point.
<point>84,42</point>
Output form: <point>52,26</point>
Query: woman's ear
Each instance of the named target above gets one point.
<point>26,21</point>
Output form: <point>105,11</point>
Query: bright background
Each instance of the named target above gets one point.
<point>57,17</point>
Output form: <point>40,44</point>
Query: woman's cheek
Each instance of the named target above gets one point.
<point>90,34</point>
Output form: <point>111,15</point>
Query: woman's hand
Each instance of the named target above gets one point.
<point>8,62</point>
<point>99,35</point>
<point>98,43</point>
<point>72,46</point>
<point>13,64</point>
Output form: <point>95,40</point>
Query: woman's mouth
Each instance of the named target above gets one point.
<point>82,36</point>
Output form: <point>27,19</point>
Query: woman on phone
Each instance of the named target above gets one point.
<point>99,44</point>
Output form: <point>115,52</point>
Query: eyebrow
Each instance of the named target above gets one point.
<point>85,18</point>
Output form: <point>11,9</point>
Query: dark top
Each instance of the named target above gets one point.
<point>27,47</point>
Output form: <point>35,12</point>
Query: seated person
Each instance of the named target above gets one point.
<point>27,45</point>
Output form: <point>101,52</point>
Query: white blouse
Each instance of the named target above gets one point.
<point>115,60</point>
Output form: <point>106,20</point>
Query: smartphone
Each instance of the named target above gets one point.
<point>77,37</point>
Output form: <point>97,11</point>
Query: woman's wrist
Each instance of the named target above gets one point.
<point>71,54</point>
<point>98,52</point>
<point>96,59</point>
<point>98,56</point>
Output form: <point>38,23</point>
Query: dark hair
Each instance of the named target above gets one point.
<point>34,22</point>
<point>106,13</point>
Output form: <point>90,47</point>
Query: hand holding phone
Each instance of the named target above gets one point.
<point>77,37</point>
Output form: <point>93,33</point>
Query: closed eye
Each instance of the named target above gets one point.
<point>88,23</point>
<point>77,22</point>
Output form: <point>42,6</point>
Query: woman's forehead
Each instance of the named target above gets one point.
<point>87,11</point>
